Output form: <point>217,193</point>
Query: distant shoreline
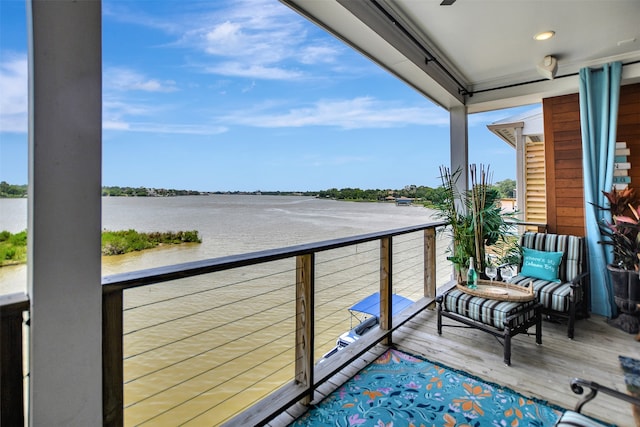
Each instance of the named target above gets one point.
<point>416,194</point>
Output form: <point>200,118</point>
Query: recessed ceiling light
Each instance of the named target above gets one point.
<point>545,35</point>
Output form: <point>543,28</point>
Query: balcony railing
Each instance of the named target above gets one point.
<point>239,335</point>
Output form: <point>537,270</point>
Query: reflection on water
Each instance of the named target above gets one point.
<point>190,346</point>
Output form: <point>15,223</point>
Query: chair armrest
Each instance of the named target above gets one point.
<point>578,384</point>
<point>577,281</point>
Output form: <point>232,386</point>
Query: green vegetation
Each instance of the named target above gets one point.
<point>147,192</point>
<point>427,195</point>
<point>13,247</point>
<point>9,190</point>
<point>122,242</point>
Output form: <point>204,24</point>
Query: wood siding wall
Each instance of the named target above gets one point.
<point>563,156</point>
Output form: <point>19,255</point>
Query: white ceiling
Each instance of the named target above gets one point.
<point>485,44</point>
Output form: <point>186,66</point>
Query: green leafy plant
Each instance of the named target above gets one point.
<point>477,223</point>
<point>13,247</point>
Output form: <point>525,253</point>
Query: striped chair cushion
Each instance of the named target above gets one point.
<point>574,419</point>
<point>487,311</point>
<point>552,295</point>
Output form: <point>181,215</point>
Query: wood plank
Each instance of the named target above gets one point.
<point>569,173</point>
<point>112,355</point>
<point>576,230</point>
<point>571,212</point>
<point>386,286</point>
<point>568,163</point>
<point>304,321</point>
<point>571,221</point>
<point>567,192</point>
<point>548,106</point>
<point>12,408</point>
<point>570,184</point>
<point>567,126</point>
<point>568,139</point>
<point>430,260</point>
<point>569,150</point>
<point>568,114</point>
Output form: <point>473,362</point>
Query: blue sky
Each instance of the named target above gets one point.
<point>244,95</point>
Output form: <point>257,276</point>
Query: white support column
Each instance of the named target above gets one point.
<point>64,272</point>
<point>460,145</point>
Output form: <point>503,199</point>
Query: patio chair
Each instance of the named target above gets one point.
<point>576,419</point>
<point>558,268</point>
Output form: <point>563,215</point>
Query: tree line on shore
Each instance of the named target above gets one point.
<point>426,194</point>
<point>13,246</point>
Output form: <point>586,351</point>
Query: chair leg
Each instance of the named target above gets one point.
<point>538,325</point>
<point>507,346</point>
<point>572,316</point>
<point>440,316</point>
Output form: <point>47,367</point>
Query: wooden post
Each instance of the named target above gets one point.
<point>11,374</point>
<point>304,323</point>
<point>430,262</point>
<point>386,291</point>
<point>112,360</point>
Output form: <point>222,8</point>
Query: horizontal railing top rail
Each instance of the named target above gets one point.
<point>18,301</point>
<point>121,281</point>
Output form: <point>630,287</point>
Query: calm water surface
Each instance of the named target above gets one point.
<point>228,224</point>
<point>195,341</point>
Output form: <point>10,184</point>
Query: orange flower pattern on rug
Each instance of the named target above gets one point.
<point>402,390</point>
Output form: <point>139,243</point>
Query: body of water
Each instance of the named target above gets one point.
<point>228,224</point>
<point>198,350</point>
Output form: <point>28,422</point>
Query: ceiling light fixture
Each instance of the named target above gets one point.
<point>545,35</point>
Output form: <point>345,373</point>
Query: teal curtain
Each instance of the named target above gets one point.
<point>599,96</point>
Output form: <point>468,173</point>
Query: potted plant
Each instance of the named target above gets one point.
<point>476,220</point>
<point>623,235</point>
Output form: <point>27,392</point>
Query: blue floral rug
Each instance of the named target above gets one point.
<point>403,390</point>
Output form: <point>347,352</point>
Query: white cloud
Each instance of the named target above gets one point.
<point>124,116</point>
<point>257,39</point>
<point>362,112</point>
<point>253,71</point>
<point>164,128</point>
<point>123,79</point>
<point>14,87</point>
<point>114,125</point>
<point>317,54</point>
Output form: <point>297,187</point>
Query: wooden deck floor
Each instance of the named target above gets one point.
<point>539,371</point>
